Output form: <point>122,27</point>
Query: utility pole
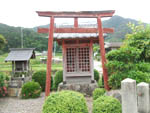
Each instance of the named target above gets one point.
<point>54,49</point>
<point>21,37</point>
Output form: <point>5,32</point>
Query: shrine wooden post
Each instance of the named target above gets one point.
<point>83,14</point>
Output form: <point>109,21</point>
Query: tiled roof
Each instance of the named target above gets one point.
<point>20,54</point>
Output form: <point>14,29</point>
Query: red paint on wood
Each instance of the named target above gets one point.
<point>49,57</point>
<point>102,51</point>
<point>81,14</point>
<point>76,30</point>
<point>108,30</point>
<point>43,30</point>
<point>76,22</point>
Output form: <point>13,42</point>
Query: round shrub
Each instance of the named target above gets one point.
<point>65,102</point>
<point>106,104</point>
<point>3,84</point>
<point>96,75</point>
<point>31,90</point>
<point>98,92</point>
<point>58,78</point>
<point>40,77</point>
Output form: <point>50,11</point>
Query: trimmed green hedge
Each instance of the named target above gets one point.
<point>98,92</point>
<point>40,77</point>
<point>31,90</point>
<point>65,102</point>
<point>106,104</point>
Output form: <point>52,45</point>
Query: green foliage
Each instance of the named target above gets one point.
<point>40,77</point>
<point>2,41</point>
<point>125,54</point>
<point>106,104</point>
<point>58,78</point>
<point>118,71</point>
<point>96,75</point>
<point>101,82</point>
<point>98,92</point>
<point>132,60</point>
<point>3,84</point>
<point>96,50</point>
<point>140,39</point>
<point>31,90</point>
<point>65,102</point>
<point>116,78</point>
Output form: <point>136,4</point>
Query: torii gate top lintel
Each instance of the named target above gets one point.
<point>79,14</point>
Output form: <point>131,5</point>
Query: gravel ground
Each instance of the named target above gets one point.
<point>16,105</point>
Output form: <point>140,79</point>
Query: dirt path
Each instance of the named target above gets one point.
<point>15,105</point>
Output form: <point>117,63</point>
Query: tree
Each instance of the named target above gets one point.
<point>2,41</point>
<point>132,60</point>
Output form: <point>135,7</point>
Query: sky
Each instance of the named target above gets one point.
<point>23,12</point>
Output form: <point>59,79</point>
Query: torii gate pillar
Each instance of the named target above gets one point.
<point>49,58</point>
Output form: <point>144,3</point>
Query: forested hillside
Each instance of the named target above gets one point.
<point>120,26</point>
<point>32,39</point>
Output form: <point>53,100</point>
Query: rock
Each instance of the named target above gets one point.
<point>115,93</point>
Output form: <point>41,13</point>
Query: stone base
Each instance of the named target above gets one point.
<point>14,92</point>
<point>84,88</point>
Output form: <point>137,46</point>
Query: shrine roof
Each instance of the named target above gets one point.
<point>20,54</point>
<point>113,44</point>
<point>75,35</point>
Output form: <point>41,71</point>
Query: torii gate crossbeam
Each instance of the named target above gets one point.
<point>75,15</point>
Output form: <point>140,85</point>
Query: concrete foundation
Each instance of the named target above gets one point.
<point>15,84</point>
<point>84,88</point>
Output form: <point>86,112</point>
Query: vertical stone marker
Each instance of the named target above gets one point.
<point>143,97</point>
<point>129,96</point>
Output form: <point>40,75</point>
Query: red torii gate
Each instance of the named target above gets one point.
<point>75,15</point>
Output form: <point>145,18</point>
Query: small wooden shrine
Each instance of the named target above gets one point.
<point>21,69</point>
<point>20,58</point>
<point>112,46</point>
<point>77,47</point>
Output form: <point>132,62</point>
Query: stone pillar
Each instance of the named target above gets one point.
<point>143,97</point>
<point>129,96</point>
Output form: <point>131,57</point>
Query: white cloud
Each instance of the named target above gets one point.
<point>22,12</point>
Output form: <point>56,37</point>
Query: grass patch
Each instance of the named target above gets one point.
<point>35,64</point>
